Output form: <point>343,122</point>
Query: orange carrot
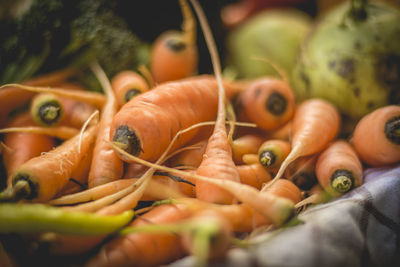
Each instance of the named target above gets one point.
<point>191,157</point>
<point>338,168</point>
<point>283,132</point>
<point>160,113</point>
<point>268,102</point>
<point>127,84</point>
<point>145,249</point>
<point>273,152</point>
<point>41,178</point>
<point>253,174</point>
<point>246,144</point>
<point>376,137</point>
<point>12,98</point>
<point>60,132</point>
<point>21,147</point>
<point>174,54</point>
<point>106,166</point>
<point>46,109</point>
<point>315,124</point>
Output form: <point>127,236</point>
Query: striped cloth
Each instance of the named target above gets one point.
<point>361,228</point>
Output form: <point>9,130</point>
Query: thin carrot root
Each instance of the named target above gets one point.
<point>61,132</point>
<point>95,99</point>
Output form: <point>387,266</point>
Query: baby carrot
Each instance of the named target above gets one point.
<point>12,98</point>
<point>268,102</point>
<point>273,152</point>
<point>376,137</point>
<point>106,166</point>
<point>174,54</point>
<point>41,178</point>
<point>338,168</point>
<point>315,124</point>
<point>246,144</point>
<point>128,84</point>
<point>46,109</point>
<point>21,147</point>
<point>253,174</point>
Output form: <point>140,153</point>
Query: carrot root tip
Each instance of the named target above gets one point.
<point>123,135</point>
<point>276,103</point>
<point>22,189</point>
<point>131,94</point>
<point>342,181</point>
<point>49,113</point>
<point>267,158</point>
<point>392,130</point>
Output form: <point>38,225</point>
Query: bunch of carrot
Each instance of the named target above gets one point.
<point>170,138</point>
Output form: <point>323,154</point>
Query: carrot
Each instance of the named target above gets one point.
<point>127,84</point>
<point>160,113</point>
<point>93,98</point>
<point>12,98</point>
<point>268,102</point>
<point>21,147</point>
<point>338,168</point>
<point>106,166</point>
<point>46,109</point>
<point>316,195</point>
<point>134,170</point>
<point>302,172</point>
<point>60,132</point>
<point>273,152</point>
<point>190,157</point>
<point>315,124</point>
<point>253,174</point>
<point>76,112</point>
<point>246,144</point>
<point>145,249</point>
<point>283,132</point>
<point>41,178</point>
<point>174,54</point>
<point>376,137</point>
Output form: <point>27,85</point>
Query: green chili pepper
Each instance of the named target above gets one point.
<point>39,218</point>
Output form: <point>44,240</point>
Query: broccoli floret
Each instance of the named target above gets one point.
<point>54,34</point>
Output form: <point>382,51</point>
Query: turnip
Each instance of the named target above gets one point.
<point>352,58</point>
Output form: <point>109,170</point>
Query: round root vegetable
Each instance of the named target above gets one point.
<point>338,168</point>
<point>268,102</point>
<point>352,58</point>
<point>47,109</point>
<point>246,144</point>
<point>128,84</point>
<point>376,137</point>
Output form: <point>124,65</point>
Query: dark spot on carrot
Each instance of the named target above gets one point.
<point>356,91</point>
<point>29,190</point>
<point>176,45</point>
<point>257,92</point>
<point>131,94</point>
<point>276,104</point>
<point>392,130</point>
<point>342,181</point>
<point>129,138</point>
<point>50,112</point>
<point>267,158</point>
<point>304,180</point>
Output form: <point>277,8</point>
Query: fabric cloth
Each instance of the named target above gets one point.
<point>361,228</point>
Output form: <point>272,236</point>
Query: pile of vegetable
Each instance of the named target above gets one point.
<point>163,161</point>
